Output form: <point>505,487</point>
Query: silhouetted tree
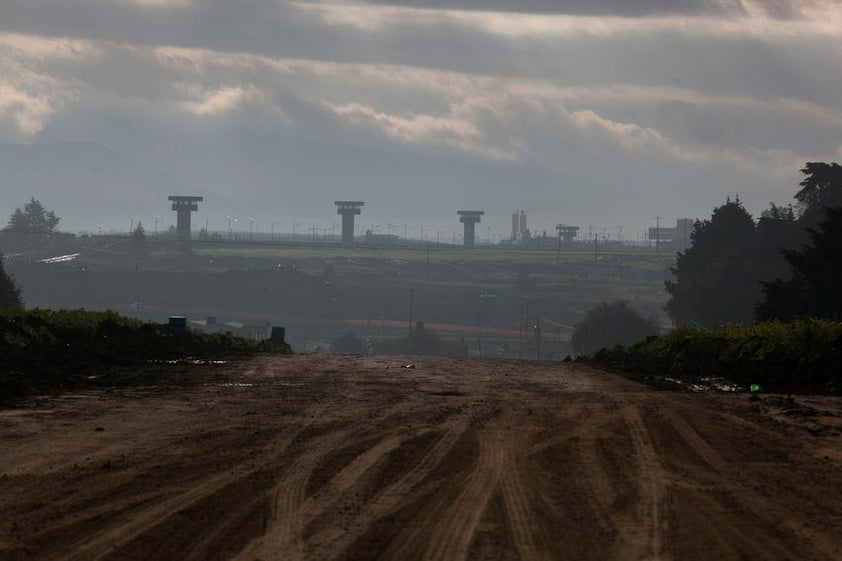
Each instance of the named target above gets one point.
<point>348,344</point>
<point>716,277</point>
<point>777,230</point>
<point>9,292</point>
<point>138,238</point>
<point>815,288</point>
<point>33,219</point>
<point>821,188</point>
<point>610,324</point>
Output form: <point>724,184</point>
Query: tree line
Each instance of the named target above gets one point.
<point>783,266</point>
<point>786,265</point>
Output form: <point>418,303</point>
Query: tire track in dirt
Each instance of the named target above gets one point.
<point>698,444</point>
<point>727,486</point>
<point>292,510</point>
<point>447,530</point>
<point>645,537</point>
<point>157,513</point>
<point>519,514</point>
<point>283,527</point>
<point>601,496</point>
<point>391,498</point>
<point>454,530</point>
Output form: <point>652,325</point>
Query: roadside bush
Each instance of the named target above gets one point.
<point>797,357</point>
<point>53,349</point>
<point>610,324</point>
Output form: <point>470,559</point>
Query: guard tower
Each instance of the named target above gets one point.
<point>183,206</point>
<point>470,218</point>
<point>566,233</point>
<point>348,209</point>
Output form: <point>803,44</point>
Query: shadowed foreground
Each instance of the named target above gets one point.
<point>328,457</point>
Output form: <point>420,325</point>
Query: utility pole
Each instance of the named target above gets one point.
<point>657,234</point>
<point>411,305</point>
<point>526,325</point>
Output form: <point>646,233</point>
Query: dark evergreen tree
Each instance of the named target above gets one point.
<point>9,292</point>
<point>34,218</point>
<point>777,230</point>
<point>821,188</point>
<point>715,280</point>
<point>815,287</point>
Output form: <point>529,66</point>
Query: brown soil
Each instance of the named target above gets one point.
<point>330,457</point>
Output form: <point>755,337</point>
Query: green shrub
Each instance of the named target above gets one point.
<point>801,356</point>
<point>53,349</point>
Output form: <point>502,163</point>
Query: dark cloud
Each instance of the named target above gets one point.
<point>573,7</point>
<point>781,9</point>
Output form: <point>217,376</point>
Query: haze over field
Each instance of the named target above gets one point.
<point>274,109</point>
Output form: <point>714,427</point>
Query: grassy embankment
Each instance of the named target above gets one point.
<point>45,350</point>
<point>798,357</point>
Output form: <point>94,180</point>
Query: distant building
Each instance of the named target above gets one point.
<point>672,238</point>
<point>566,233</point>
<point>520,232</point>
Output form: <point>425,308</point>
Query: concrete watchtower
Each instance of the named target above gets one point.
<point>348,209</point>
<point>183,206</point>
<point>470,218</point>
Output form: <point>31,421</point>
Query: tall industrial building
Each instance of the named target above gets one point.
<point>519,230</point>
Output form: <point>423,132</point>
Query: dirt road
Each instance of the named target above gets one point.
<point>328,457</point>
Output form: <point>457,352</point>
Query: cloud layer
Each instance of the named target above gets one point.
<point>602,113</point>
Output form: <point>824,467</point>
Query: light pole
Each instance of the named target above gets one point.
<point>251,228</point>
<point>231,220</point>
<point>156,218</point>
<point>488,299</point>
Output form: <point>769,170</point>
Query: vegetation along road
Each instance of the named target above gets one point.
<point>338,457</point>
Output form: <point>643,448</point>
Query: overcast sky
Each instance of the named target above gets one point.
<point>586,112</point>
